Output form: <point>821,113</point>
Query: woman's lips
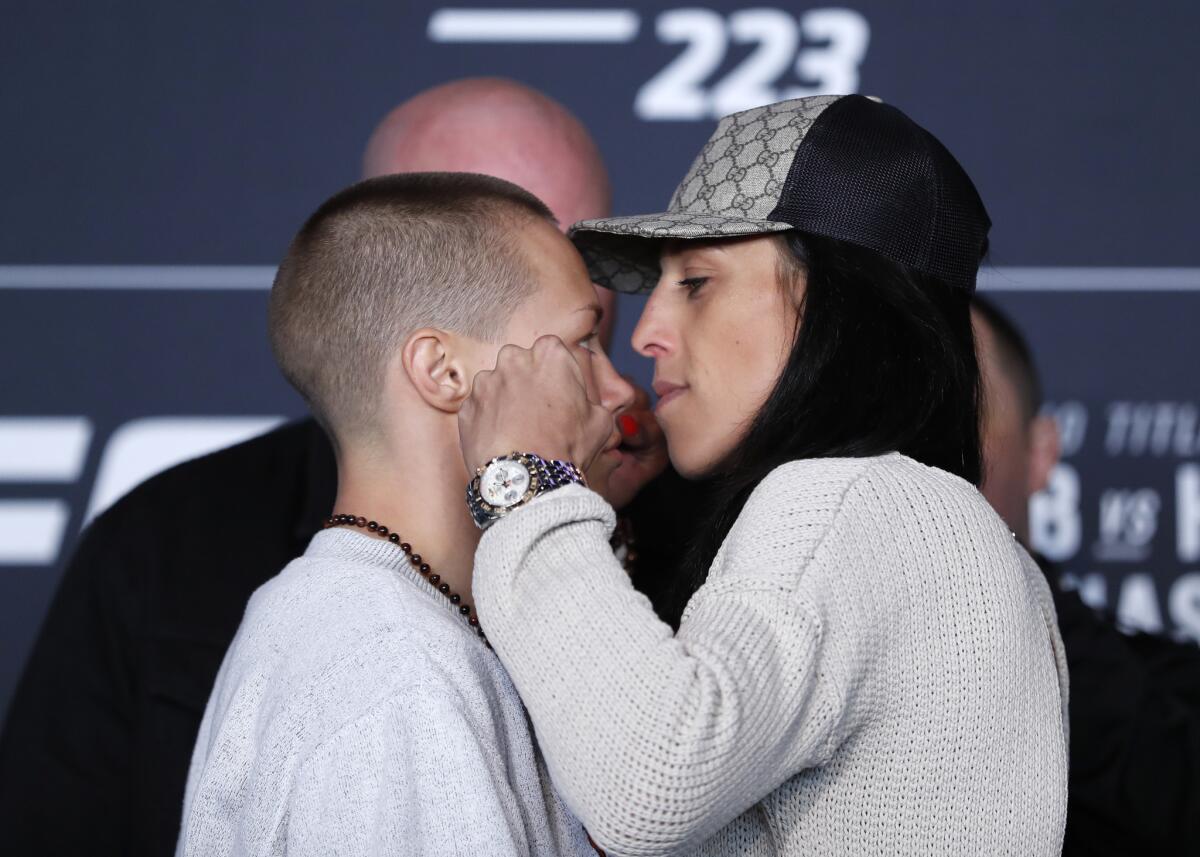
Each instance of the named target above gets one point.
<point>667,392</point>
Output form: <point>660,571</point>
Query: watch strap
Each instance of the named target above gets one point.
<point>548,474</point>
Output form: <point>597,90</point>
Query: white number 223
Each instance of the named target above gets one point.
<point>830,65</point>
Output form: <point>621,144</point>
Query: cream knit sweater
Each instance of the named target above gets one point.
<point>357,714</point>
<point>872,667</point>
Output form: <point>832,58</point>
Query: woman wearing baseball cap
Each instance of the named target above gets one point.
<point>867,661</point>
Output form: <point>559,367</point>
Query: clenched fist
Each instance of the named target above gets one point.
<point>536,400</point>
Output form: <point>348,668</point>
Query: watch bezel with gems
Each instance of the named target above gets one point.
<point>544,475</point>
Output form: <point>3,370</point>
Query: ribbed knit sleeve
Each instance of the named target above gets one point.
<point>658,740</point>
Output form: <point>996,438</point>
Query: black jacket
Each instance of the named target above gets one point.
<point>95,752</point>
<point>1135,737</point>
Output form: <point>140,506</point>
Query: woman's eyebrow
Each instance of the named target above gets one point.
<point>594,308</point>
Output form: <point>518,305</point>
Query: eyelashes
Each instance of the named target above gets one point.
<point>693,284</point>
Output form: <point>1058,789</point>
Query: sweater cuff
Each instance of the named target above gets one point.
<point>553,544</point>
<point>564,506</point>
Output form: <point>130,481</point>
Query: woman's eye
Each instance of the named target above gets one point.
<point>588,342</point>
<point>693,284</point>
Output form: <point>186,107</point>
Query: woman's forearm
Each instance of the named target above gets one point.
<point>655,740</point>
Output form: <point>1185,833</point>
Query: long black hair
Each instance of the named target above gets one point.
<point>883,361</point>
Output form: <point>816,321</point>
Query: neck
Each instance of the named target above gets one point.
<point>417,490</point>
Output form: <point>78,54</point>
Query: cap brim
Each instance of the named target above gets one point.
<point>622,252</point>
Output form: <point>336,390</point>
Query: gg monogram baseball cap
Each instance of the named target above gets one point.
<point>842,166</point>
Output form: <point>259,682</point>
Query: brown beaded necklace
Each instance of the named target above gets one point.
<point>415,558</point>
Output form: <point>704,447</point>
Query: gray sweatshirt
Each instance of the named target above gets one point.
<point>873,666</point>
<point>356,713</point>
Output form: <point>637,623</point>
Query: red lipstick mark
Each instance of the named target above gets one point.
<point>629,426</point>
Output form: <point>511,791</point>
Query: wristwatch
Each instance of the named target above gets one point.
<point>508,482</point>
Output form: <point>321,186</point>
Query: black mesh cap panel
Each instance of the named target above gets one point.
<point>867,174</point>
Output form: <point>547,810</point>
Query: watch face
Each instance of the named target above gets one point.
<point>504,483</point>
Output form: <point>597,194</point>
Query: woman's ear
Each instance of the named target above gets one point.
<point>434,362</point>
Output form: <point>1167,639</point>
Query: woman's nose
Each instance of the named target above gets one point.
<point>651,337</point>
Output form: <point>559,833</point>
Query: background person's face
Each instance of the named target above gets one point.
<point>564,305</point>
<point>1019,450</point>
<point>1004,435</point>
<point>719,326</point>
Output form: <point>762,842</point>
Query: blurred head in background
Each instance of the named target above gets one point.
<point>1020,447</point>
<point>499,128</point>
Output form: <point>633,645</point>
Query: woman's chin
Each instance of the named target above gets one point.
<point>689,466</point>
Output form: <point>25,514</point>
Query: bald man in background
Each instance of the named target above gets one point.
<point>1135,699</point>
<point>499,128</point>
<point>95,752</point>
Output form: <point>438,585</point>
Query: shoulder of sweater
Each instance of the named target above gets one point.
<point>800,503</point>
<point>788,515</point>
<point>391,693</point>
<point>837,483</point>
<point>896,492</point>
<point>340,623</point>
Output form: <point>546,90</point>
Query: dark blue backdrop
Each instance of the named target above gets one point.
<point>157,157</point>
